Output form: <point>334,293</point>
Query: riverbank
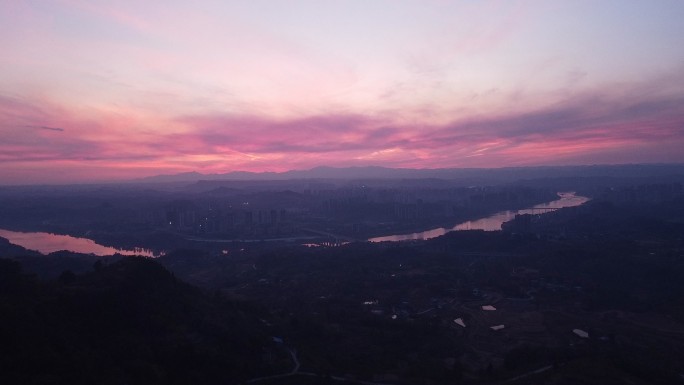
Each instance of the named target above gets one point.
<point>492,222</point>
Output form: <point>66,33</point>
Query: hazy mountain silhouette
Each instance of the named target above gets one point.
<point>504,174</point>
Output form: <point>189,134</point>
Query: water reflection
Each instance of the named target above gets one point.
<point>47,243</point>
<point>493,222</point>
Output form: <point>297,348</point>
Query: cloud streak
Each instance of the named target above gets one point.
<point>629,123</point>
<point>46,128</point>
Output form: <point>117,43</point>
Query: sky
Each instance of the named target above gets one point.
<point>96,91</point>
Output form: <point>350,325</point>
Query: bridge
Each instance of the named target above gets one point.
<point>333,239</point>
<point>542,209</point>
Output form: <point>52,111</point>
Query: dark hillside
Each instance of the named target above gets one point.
<point>131,322</point>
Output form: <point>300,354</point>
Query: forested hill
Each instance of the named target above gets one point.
<point>131,322</point>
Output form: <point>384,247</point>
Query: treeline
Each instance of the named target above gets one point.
<point>130,322</point>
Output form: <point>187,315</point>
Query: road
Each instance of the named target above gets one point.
<point>295,372</point>
<point>530,373</point>
<point>295,369</point>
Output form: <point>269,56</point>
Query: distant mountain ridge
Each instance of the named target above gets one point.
<point>378,172</point>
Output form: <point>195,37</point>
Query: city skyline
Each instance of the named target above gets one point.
<point>105,91</point>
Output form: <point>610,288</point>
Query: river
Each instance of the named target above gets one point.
<point>46,243</point>
<point>492,222</point>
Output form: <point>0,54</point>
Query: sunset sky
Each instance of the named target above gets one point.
<point>113,90</point>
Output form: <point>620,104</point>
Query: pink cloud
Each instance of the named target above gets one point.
<point>43,140</point>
